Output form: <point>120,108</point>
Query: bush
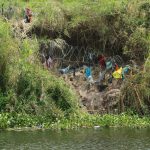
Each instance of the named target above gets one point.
<point>27,88</point>
<point>136,91</point>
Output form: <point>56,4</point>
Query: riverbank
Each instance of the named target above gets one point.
<point>28,122</point>
<point>35,97</point>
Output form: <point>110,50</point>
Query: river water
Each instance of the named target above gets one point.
<point>84,139</point>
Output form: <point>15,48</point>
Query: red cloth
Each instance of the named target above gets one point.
<point>102,62</point>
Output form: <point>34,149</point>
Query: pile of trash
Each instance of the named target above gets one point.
<point>98,86</point>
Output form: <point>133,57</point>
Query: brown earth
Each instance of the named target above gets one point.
<point>91,98</point>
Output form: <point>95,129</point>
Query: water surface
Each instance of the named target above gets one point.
<point>83,139</point>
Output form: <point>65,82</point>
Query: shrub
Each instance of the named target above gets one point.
<point>27,88</point>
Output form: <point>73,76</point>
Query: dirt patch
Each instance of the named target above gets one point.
<point>90,97</point>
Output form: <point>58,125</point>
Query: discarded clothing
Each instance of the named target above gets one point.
<point>64,70</point>
<point>102,62</point>
<point>28,15</point>
<point>116,67</point>
<point>109,65</point>
<point>118,74</point>
<point>125,71</point>
<point>88,72</point>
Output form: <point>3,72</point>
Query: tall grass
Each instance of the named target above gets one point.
<point>136,91</point>
<point>110,26</point>
<point>26,87</point>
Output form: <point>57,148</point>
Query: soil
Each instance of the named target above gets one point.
<point>91,97</point>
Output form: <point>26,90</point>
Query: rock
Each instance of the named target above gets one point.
<point>96,127</point>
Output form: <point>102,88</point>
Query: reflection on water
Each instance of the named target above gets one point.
<point>84,139</point>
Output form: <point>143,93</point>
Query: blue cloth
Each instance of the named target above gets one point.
<point>109,65</point>
<point>125,71</point>
<point>88,72</point>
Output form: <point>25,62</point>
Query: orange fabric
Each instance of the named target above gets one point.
<point>116,67</point>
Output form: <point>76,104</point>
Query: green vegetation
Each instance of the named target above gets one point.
<point>136,91</point>
<point>31,96</point>
<point>25,86</point>
<point>15,121</point>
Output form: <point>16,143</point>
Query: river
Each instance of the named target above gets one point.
<point>83,139</point>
